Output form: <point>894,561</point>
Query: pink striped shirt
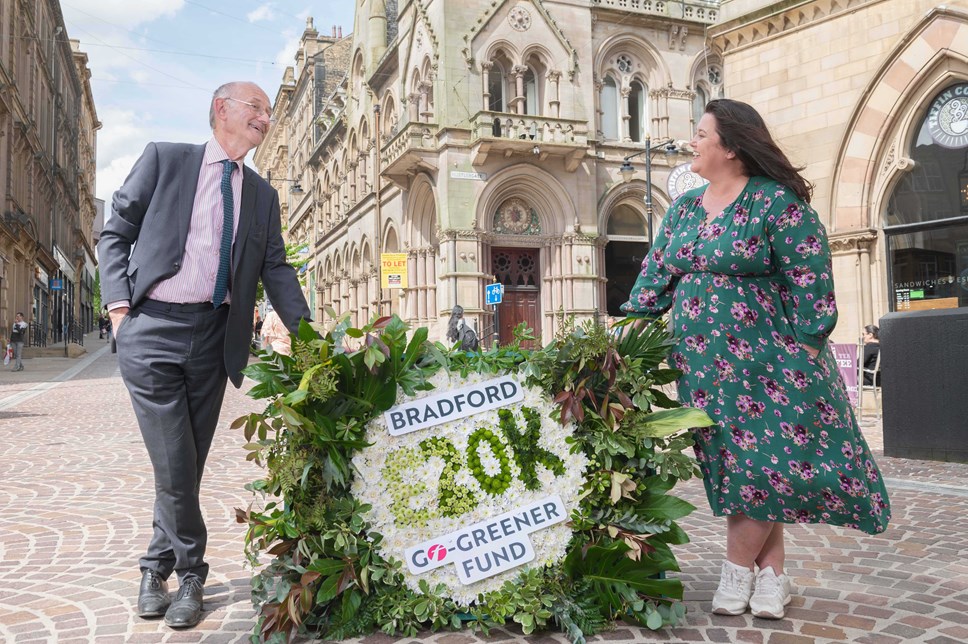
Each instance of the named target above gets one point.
<point>195,281</point>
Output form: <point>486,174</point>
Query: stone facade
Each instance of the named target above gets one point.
<point>483,142</point>
<point>846,85</point>
<point>47,125</point>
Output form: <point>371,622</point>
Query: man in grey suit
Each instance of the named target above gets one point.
<point>191,233</point>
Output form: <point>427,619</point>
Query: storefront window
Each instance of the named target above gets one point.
<point>926,223</point>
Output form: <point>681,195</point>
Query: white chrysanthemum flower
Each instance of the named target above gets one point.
<point>452,496</point>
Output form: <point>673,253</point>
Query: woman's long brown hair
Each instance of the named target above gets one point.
<point>742,130</point>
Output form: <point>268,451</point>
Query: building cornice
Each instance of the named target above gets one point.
<point>779,18</point>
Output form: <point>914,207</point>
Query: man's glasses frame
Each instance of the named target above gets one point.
<point>258,109</point>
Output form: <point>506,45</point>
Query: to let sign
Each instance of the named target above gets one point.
<point>393,270</point>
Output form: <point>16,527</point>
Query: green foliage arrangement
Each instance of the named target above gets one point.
<point>325,574</point>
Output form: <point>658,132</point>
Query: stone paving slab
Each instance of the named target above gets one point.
<point>75,516</point>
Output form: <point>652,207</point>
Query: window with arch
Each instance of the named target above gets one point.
<point>637,110</point>
<point>707,82</point>
<point>609,108</point>
<point>627,245</point>
<point>499,83</point>
<point>926,222</point>
<point>699,102</point>
<point>534,79</point>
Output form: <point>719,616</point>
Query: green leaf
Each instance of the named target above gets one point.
<point>666,422</point>
<point>328,589</point>
<point>616,578</point>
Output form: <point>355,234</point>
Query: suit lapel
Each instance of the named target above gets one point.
<point>246,215</point>
<point>191,166</point>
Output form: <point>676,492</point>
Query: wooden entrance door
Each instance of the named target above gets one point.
<point>518,270</point>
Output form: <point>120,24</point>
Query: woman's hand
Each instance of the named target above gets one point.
<point>813,353</point>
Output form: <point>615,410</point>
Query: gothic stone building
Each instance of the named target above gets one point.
<point>483,142</point>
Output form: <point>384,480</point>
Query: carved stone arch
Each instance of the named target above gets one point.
<point>927,58</point>
<point>702,61</point>
<point>355,265</point>
<point>535,186</point>
<point>547,58</point>
<point>644,51</point>
<point>357,73</point>
<point>391,238</point>
<point>390,114</point>
<point>632,194</point>
<point>421,213</point>
<point>366,254</point>
<point>505,47</point>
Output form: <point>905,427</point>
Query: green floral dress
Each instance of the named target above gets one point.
<point>745,290</point>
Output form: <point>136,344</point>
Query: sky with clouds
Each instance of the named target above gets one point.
<point>155,63</point>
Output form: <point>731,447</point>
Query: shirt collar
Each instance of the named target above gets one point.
<point>215,154</point>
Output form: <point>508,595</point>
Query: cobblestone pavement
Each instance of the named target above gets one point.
<point>75,515</point>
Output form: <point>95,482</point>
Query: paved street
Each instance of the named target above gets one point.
<point>75,515</point>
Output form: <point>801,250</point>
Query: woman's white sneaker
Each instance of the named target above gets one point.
<point>772,594</point>
<point>735,587</point>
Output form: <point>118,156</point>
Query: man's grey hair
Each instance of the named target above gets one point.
<point>225,91</point>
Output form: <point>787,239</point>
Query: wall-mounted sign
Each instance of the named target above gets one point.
<point>393,270</point>
<point>471,176</point>
<point>948,117</point>
<point>682,179</point>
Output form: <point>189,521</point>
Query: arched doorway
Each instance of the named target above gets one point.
<point>517,270</point>
<point>626,248</point>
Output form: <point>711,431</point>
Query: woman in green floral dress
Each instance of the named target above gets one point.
<point>744,266</point>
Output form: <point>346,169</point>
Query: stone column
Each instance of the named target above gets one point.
<point>626,117</point>
<point>426,112</point>
<point>486,77</point>
<point>414,108</point>
<point>421,290</point>
<point>518,72</point>
<point>554,79</point>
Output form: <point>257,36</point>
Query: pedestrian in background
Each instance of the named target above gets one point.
<point>744,267</point>
<point>18,335</point>
<point>872,348</point>
<point>179,276</point>
<point>275,334</point>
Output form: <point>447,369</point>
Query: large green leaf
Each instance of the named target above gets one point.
<point>666,422</point>
<point>616,578</point>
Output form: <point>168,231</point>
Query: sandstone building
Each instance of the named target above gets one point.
<point>483,141</point>
<point>48,127</point>
<point>872,97</point>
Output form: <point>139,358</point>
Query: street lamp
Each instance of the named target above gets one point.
<point>670,148</point>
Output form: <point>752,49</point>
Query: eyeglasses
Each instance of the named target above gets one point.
<point>260,110</point>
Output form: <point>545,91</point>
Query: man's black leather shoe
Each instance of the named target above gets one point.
<point>186,610</point>
<point>153,597</point>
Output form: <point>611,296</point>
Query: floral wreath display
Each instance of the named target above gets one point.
<point>464,503</point>
<point>411,486</point>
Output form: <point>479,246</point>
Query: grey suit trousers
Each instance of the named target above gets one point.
<point>172,363</point>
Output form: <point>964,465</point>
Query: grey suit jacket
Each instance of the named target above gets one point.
<point>143,242</point>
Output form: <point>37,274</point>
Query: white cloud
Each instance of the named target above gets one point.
<point>263,13</point>
<point>111,176</point>
<point>287,55</point>
<point>121,13</point>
